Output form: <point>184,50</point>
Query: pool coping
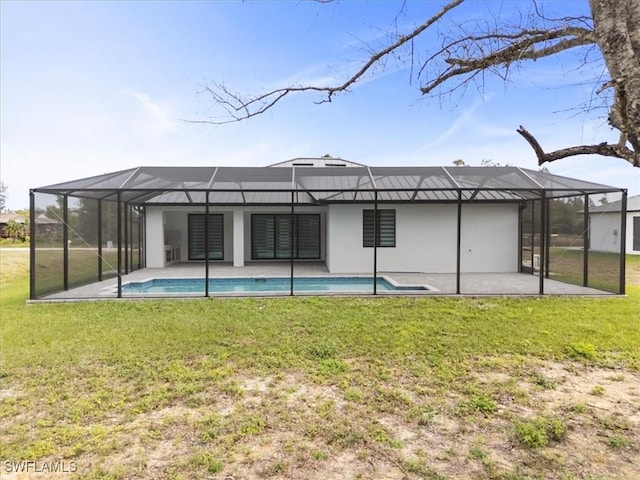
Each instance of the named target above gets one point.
<point>400,288</point>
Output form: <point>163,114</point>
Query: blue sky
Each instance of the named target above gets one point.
<point>93,87</point>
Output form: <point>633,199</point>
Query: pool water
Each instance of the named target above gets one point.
<point>267,284</point>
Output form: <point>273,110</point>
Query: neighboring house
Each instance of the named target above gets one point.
<point>351,217</point>
<point>46,226</point>
<point>5,218</point>
<point>605,232</point>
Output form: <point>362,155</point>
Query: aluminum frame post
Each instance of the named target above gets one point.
<point>459,244</point>
<point>291,237</point>
<point>623,238</point>
<point>99,240</point>
<point>126,237</point>
<point>375,242</point>
<point>206,245</point>
<point>543,236</point>
<point>65,242</point>
<point>32,245</point>
<point>119,229</point>
<point>586,240</point>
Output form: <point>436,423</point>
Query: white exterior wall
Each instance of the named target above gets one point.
<point>489,238</point>
<point>426,238</point>
<point>169,225</point>
<point>605,232</point>
<point>630,232</point>
<point>154,235</point>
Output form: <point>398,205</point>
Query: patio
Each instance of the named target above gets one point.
<point>515,284</point>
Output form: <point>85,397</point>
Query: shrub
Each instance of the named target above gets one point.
<point>581,351</point>
<point>537,433</point>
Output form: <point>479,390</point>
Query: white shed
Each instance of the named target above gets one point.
<point>605,234</point>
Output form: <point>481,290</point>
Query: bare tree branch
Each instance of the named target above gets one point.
<point>471,50</point>
<point>605,149</point>
<point>240,109</point>
<point>531,45</point>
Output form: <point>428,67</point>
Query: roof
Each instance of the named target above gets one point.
<point>326,161</point>
<point>42,219</point>
<point>7,217</point>
<point>633,205</point>
<point>329,184</point>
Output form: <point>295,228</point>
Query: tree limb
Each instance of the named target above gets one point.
<point>530,45</point>
<point>467,54</point>
<point>604,148</point>
<point>241,109</point>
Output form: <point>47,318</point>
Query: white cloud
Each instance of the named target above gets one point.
<point>157,116</point>
<point>466,119</point>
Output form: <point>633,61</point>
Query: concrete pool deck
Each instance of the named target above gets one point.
<point>439,283</point>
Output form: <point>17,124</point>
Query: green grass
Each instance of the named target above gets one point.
<point>208,384</point>
<point>604,268</point>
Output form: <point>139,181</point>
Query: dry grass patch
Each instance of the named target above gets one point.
<point>290,426</point>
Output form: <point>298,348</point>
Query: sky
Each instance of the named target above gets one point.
<point>93,87</point>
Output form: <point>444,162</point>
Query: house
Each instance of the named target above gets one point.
<point>348,217</point>
<point>5,218</point>
<point>605,232</point>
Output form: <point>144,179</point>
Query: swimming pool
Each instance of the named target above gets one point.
<point>266,285</point>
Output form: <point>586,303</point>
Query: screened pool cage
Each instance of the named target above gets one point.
<point>459,230</point>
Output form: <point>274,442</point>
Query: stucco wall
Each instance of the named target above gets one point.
<point>605,232</point>
<point>630,232</point>
<point>170,225</point>
<point>154,237</point>
<point>426,239</point>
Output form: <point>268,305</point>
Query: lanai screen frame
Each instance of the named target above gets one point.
<point>295,186</point>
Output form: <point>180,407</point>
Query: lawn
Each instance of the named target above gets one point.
<point>434,388</point>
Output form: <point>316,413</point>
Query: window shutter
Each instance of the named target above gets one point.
<point>197,237</point>
<point>367,228</point>
<point>262,236</point>
<point>271,236</point>
<point>386,234</point>
<point>308,236</point>
<point>386,228</point>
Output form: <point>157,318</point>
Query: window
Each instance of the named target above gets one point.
<point>636,234</point>
<point>386,231</point>
<point>271,236</point>
<point>196,236</point>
